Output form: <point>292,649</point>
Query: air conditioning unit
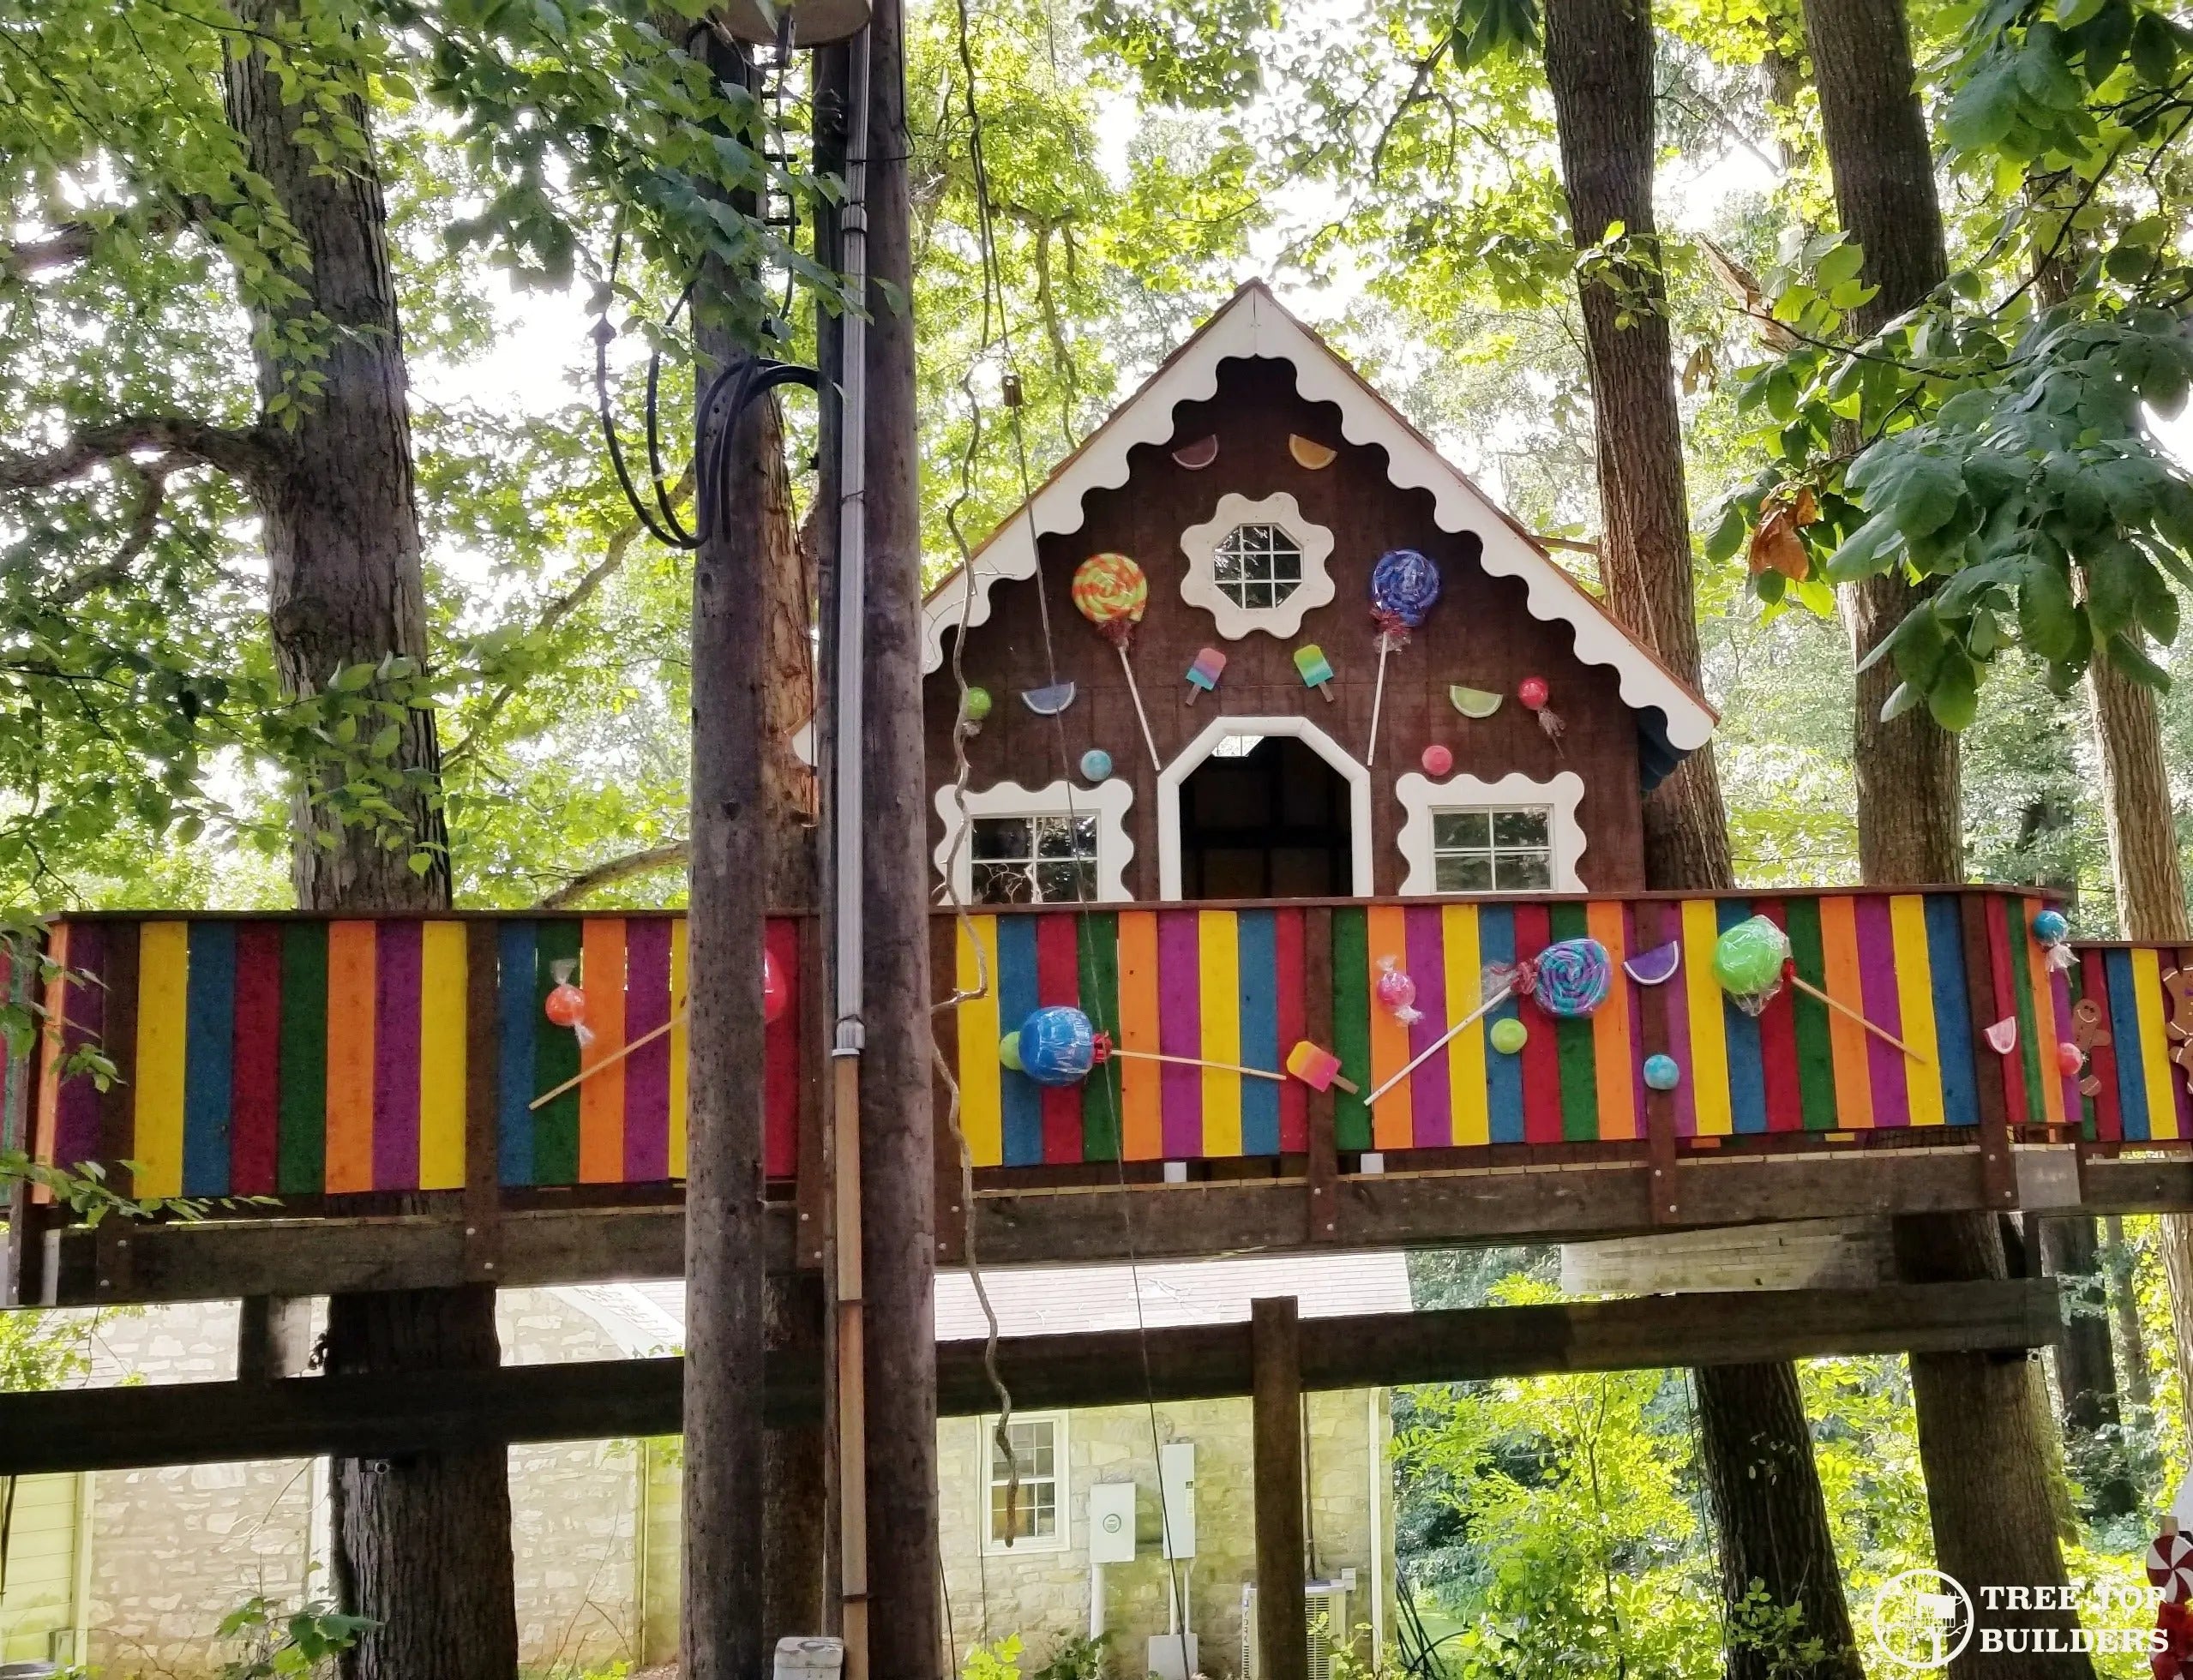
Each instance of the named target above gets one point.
<point>1324,1627</point>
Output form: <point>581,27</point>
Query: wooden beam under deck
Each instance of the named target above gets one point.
<point>218,1259</point>
<point>121,1428</point>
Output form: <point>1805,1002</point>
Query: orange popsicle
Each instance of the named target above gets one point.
<point>1318,1069</point>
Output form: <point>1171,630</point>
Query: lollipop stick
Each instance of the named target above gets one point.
<point>1378,698</point>
<point>1881,1033</point>
<point>1198,1061</point>
<point>586,1073</point>
<point>1430,1049</point>
<point>1148,740</point>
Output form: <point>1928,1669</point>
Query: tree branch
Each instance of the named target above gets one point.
<point>144,524</point>
<point>588,882</point>
<point>73,242</point>
<point>249,455</point>
<point>613,557</point>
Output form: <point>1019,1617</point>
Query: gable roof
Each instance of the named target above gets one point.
<point>1254,323</point>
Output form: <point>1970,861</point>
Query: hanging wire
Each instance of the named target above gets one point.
<point>996,333</point>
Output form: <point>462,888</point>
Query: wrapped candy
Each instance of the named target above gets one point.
<point>1397,993</point>
<point>2051,930</point>
<point>1749,960</point>
<point>1056,1046</point>
<point>1404,585</point>
<point>565,1004</point>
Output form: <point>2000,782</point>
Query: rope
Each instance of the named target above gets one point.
<point>993,305</point>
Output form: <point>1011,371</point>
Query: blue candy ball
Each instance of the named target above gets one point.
<point>2050,928</point>
<point>1058,1047</point>
<point>1662,1073</point>
<point>1096,764</point>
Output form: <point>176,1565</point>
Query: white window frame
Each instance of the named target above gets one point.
<point>1061,1537</point>
<point>1109,802</point>
<point>1422,798</point>
<point>1352,771</point>
<point>1200,586</point>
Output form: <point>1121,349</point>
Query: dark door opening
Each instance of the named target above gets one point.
<point>1269,822</point>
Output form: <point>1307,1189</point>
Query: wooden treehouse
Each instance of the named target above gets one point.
<point>1263,752</point>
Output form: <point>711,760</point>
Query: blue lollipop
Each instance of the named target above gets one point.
<point>1058,1047</point>
<point>1404,584</point>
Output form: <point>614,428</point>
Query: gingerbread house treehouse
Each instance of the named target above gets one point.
<point>1257,640</point>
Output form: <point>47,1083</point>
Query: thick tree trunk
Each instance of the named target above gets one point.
<point>421,1544</point>
<point>1751,1417</point>
<point>898,1139</point>
<point>1598,64</point>
<point>1983,1430</point>
<point>2086,1367</point>
<point>722,1634</point>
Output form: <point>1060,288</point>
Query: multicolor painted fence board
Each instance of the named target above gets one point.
<point>299,1057</point>
<point>1229,986</point>
<point>2138,1034</point>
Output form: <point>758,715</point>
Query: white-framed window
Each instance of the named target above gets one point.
<point>1257,565</point>
<point>1465,835</point>
<point>1024,1494</point>
<point>1016,845</point>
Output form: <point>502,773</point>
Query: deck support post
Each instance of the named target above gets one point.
<point>1275,1403</point>
<point>273,1338</point>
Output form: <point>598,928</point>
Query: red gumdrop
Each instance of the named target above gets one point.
<point>2070,1058</point>
<point>566,1006</point>
<point>1533,693</point>
<point>776,995</point>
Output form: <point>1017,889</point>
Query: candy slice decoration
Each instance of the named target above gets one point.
<point>2003,1036</point>
<point>1658,966</point>
<point>1203,675</point>
<point>1474,702</point>
<point>1198,455</point>
<point>1050,701</point>
<point>1309,453</point>
<point>1316,668</point>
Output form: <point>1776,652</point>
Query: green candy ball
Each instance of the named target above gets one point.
<point>975,704</point>
<point>1009,1052</point>
<point>1509,1035</point>
<point>1747,959</point>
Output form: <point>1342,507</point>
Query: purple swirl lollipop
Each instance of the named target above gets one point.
<point>1404,587</point>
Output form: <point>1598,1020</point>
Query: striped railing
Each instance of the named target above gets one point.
<point>303,1056</point>
<point>1241,985</point>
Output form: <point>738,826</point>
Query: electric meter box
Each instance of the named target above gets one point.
<point>1111,1522</point>
<point>1176,1494</point>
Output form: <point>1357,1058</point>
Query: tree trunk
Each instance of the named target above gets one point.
<point>420,1544</point>
<point>722,1635</point>
<point>1982,1430</point>
<point>2118,1259</point>
<point>1598,64</point>
<point>1751,1417</point>
<point>898,1139</point>
<point>2086,1368</point>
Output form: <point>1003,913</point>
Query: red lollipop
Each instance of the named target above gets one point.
<point>1533,692</point>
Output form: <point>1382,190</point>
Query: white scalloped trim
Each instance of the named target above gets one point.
<point>1199,583</point>
<point>1253,323</point>
<point>1109,802</point>
<point>1421,797</point>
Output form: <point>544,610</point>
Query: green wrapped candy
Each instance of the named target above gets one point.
<point>1747,959</point>
<point>1509,1035</point>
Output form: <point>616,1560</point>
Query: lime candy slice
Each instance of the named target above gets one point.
<point>1475,702</point>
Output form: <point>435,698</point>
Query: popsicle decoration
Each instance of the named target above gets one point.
<point>1569,980</point>
<point>1404,587</point>
<point>1318,1069</point>
<point>1111,592</point>
<point>1752,959</point>
<point>1203,675</point>
<point>1316,668</point>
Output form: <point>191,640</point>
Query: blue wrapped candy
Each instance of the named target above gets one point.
<point>1058,1045</point>
<point>1404,587</point>
<point>2050,927</point>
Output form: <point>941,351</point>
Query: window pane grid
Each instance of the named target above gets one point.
<point>1258,566</point>
<point>1034,860</point>
<point>1029,1510</point>
<point>1495,849</point>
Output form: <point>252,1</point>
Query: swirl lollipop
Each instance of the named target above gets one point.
<point>1111,592</point>
<point>1404,587</point>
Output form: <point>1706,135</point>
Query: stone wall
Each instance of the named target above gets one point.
<point>1040,1595</point>
<point>174,1549</point>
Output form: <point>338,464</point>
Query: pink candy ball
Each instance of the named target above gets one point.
<point>1533,693</point>
<point>1438,761</point>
